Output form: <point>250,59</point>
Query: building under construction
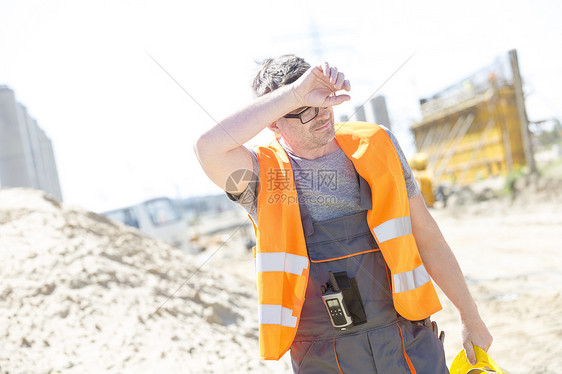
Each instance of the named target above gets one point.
<point>476,128</point>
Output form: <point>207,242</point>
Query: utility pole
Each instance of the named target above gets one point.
<point>520,101</point>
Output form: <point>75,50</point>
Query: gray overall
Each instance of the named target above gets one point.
<point>383,344</point>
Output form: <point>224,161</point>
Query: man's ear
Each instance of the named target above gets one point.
<point>275,126</point>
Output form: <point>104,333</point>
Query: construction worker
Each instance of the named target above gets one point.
<point>345,243</point>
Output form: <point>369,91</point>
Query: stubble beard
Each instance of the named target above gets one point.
<point>325,136</point>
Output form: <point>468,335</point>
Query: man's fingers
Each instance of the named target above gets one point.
<point>336,100</point>
<point>442,337</point>
<point>336,78</point>
<point>326,69</point>
<point>339,81</point>
<point>470,354</point>
<point>321,89</point>
<point>333,75</point>
<point>342,83</point>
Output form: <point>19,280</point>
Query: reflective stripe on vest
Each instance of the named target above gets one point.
<point>392,229</point>
<point>410,280</point>
<point>281,261</point>
<point>276,315</point>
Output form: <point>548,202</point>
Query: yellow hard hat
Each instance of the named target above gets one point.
<point>484,364</point>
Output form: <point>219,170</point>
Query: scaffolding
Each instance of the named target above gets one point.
<point>477,128</point>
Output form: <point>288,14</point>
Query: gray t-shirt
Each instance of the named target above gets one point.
<point>328,186</point>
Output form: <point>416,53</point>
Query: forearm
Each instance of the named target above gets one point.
<point>246,123</point>
<point>220,150</point>
<point>440,261</point>
<point>443,267</point>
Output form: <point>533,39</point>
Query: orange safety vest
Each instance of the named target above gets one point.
<point>282,263</point>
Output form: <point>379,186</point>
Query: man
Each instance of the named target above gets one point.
<point>336,205</point>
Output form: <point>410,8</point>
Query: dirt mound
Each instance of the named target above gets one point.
<point>82,294</point>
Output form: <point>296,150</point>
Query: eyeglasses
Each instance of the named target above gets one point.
<point>306,115</point>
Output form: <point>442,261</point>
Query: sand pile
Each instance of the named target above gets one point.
<point>81,294</point>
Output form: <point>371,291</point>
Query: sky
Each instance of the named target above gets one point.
<point>124,88</point>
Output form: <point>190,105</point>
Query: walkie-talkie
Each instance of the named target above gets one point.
<point>333,299</point>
